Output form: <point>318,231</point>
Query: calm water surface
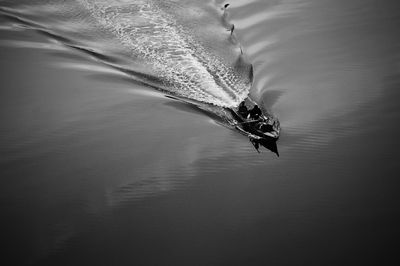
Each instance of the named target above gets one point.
<point>99,169</point>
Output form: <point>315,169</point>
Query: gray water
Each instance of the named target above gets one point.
<point>98,167</point>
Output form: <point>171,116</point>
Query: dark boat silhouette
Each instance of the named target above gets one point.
<point>261,127</point>
<point>264,130</point>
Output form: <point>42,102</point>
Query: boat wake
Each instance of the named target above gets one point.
<point>187,49</point>
<point>155,36</point>
<point>184,49</point>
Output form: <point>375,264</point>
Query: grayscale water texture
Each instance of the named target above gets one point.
<point>98,167</point>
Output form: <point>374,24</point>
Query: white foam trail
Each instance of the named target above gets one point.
<point>186,68</point>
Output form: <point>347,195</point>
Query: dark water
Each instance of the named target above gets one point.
<point>99,169</point>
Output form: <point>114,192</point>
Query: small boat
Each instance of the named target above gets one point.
<point>264,130</point>
<point>257,127</point>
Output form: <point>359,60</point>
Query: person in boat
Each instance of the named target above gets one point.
<point>255,113</point>
<point>243,110</point>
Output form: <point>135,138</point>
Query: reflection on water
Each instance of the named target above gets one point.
<point>97,168</point>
